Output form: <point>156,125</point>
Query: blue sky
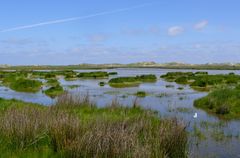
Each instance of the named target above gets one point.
<point>108,31</point>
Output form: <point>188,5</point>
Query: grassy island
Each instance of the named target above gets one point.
<point>141,94</point>
<point>75,127</point>
<point>54,91</point>
<point>121,82</point>
<point>93,75</point>
<point>52,82</point>
<point>26,85</point>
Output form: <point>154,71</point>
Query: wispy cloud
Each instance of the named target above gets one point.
<point>175,30</point>
<point>73,18</point>
<point>201,25</point>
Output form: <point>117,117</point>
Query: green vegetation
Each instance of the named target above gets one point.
<point>201,80</point>
<point>74,127</point>
<point>141,94</point>
<point>54,91</point>
<point>94,75</point>
<point>50,76</point>
<point>26,85</point>
<point>180,88</point>
<point>121,82</point>
<point>224,103</point>
<point>112,73</point>
<point>147,78</point>
<point>102,84</point>
<point>52,82</point>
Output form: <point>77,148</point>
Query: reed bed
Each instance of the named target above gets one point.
<point>140,133</point>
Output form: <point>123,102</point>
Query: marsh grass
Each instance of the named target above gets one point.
<point>141,94</point>
<point>202,81</point>
<point>26,85</point>
<point>64,130</point>
<point>121,82</point>
<point>222,102</point>
<point>54,91</point>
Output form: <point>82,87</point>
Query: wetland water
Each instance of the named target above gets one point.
<point>209,136</point>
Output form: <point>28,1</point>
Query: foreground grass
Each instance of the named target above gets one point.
<point>225,103</point>
<point>74,127</point>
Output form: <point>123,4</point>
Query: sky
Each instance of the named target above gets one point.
<point>64,32</point>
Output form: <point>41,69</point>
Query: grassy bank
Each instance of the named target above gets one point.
<point>225,103</point>
<point>74,127</point>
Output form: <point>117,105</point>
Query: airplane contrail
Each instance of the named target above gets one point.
<point>73,18</point>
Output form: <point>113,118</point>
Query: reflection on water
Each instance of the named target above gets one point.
<point>210,137</point>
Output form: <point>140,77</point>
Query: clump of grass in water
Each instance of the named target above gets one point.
<point>52,82</point>
<point>54,91</point>
<point>121,82</point>
<point>102,84</point>
<point>141,94</point>
<point>26,85</point>
<point>108,132</point>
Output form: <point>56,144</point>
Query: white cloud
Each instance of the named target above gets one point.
<point>201,25</point>
<point>175,30</point>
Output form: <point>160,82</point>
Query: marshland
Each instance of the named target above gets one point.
<point>82,113</point>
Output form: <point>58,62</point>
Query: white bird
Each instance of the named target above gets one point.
<point>195,115</point>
